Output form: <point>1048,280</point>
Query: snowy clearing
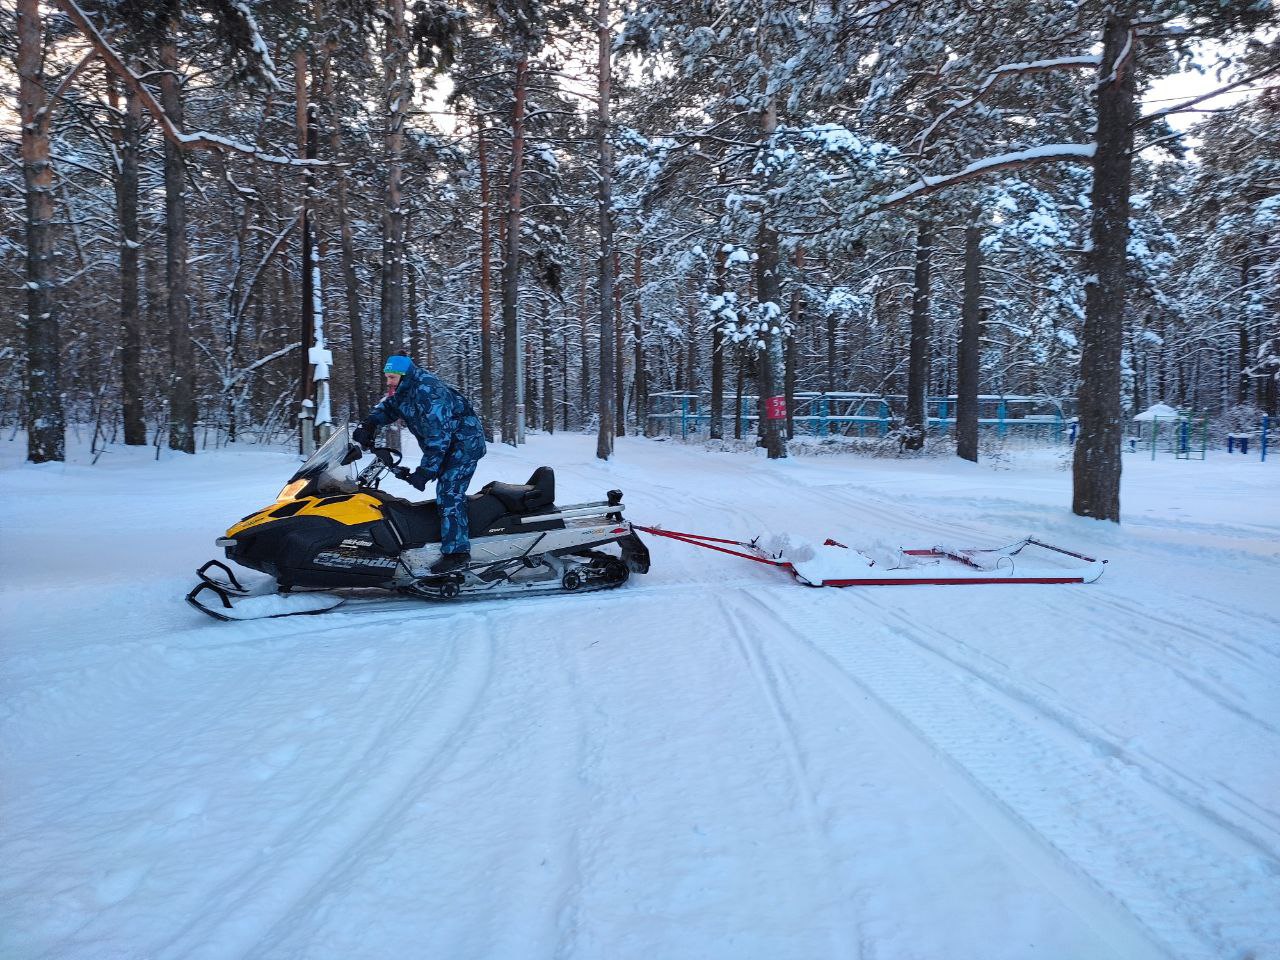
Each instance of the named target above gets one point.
<point>711,761</point>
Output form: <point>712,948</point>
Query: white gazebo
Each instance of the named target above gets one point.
<point>1159,411</point>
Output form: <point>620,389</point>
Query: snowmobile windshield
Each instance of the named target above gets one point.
<point>324,471</point>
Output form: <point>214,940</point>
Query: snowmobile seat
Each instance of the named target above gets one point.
<point>419,523</point>
<point>489,510</point>
<point>521,498</point>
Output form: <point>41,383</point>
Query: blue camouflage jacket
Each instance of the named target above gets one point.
<point>436,414</point>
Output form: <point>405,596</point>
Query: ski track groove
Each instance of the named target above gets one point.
<point>771,685</point>
<point>961,769</point>
<point>348,830</point>
<point>1182,900</point>
<point>575,848</point>
<point>1243,654</point>
<point>538,930</point>
<point>1154,651</point>
<point>1225,831</point>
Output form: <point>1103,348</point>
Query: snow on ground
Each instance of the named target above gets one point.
<point>710,762</point>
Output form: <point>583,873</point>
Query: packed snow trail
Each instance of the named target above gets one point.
<point>711,761</point>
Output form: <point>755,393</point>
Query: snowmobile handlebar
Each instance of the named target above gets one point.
<point>385,460</point>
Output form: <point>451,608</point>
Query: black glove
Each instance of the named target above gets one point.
<point>420,478</point>
<point>364,434</point>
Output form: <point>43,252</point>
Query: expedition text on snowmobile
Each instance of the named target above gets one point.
<point>329,532</point>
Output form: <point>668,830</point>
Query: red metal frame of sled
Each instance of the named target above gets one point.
<point>701,540</point>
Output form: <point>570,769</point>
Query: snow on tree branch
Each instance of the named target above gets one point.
<point>1005,161</point>
<point>1009,70</point>
<point>186,141</point>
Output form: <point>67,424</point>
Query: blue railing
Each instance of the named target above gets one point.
<point>855,414</point>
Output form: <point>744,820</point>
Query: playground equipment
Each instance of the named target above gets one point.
<point>1242,440</point>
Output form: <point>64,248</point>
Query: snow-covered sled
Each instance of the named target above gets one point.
<point>1028,560</point>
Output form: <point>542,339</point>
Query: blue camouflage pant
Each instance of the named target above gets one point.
<point>451,492</point>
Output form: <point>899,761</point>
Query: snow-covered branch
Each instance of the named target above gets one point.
<point>1226,88</point>
<point>262,362</point>
<point>1006,161</point>
<point>1089,62</point>
<point>200,140</point>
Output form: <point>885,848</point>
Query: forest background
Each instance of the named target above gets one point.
<point>219,213</point>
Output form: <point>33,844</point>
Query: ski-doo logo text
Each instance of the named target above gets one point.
<point>357,543</point>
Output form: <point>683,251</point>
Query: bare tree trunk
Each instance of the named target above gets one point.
<point>355,319</point>
<point>135,428</point>
<point>1096,467</point>
<point>564,373</point>
<point>919,361</point>
<point>691,338</point>
<point>637,331</point>
<point>619,354</point>
<point>548,371</point>
<point>396,87</point>
<point>182,401</point>
<point>716,429</point>
<point>45,424</point>
<point>486,294</point>
<point>529,348</point>
<point>797,316</point>
<point>970,344</point>
<point>738,425</point>
<point>306,305</point>
<point>1242,375</point>
<point>604,152</point>
<point>585,384</point>
<point>773,405</point>
<point>513,411</point>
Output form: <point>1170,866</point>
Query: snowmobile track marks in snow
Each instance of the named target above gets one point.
<point>395,762</point>
<point>1061,810</point>
<point>777,693</point>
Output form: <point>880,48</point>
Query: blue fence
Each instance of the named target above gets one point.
<point>862,415</point>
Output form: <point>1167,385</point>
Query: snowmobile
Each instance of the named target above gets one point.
<point>330,537</point>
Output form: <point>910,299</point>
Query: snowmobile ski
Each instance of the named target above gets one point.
<point>232,606</point>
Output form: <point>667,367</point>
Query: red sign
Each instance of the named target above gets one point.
<point>775,408</point>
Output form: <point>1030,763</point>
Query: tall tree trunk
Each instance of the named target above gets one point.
<point>530,350</point>
<point>797,317</point>
<point>355,319</point>
<point>548,371</point>
<point>396,87</point>
<point>564,373</point>
<point>637,331</point>
<point>1242,374</point>
<point>46,425</point>
<point>1096,468</point>
<point>182,399</point>
<point>619,354</point>
<point>306,303</point>
<point>970,347</point>
<point>135,428</point>
<point>716,428</point>
<point>604,153</point>
<point>486,293</point>
<point>513,411</point>
<point>773,412</point>
<point>585,358</point>
<point>919,361</point>
<point>742,356</point>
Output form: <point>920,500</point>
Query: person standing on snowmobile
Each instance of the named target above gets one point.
<point>452,442</point>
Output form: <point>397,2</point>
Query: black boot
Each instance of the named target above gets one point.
<point>449,562</point>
